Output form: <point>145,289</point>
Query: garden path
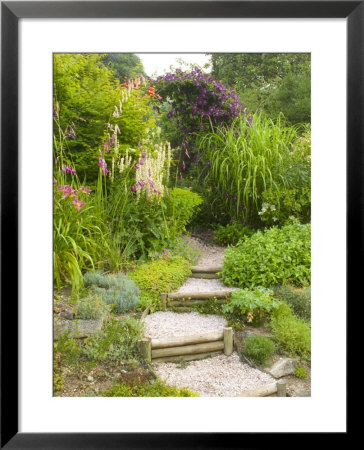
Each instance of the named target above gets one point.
<point>212,255</point>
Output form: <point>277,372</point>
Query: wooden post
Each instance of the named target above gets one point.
<point>164,300</point>
<point>145,348</point>
<point>281,388</point>
<point>228,341</point>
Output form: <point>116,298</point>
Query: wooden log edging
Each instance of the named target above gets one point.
<point>206,269</point>
<point>197,295</point>
<point>278,387</point>
<point>187,348</point>
<point>210,276</point>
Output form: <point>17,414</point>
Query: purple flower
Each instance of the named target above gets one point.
<point>235,198</point>
<point>133,188</point>
<point>227,195</point>
<point>208,164</point>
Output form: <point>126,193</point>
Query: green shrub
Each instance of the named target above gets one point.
<point>299,300</point>
<point>155,388</point>
<point>181,205</point>
<point>269,257</point>
<point>278,207</point>
<point>253,305</point>
<point>259,348</point>
<point>301,372</point>
<point>116,290</point>
<point>161,275</point>
<point>232,233</point>
<point>116,342</point>
<point>90,308</point>
<point>293,335</point>
<point>185,246</point>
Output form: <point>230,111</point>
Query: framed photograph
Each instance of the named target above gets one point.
<point>52,53</point>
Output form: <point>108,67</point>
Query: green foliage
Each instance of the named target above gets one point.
<point>116,342</point>
<point>58,380</point>
<point>117,290</point>
<point>293,335</point>
<point>124,65</point>
<point>232,233</point>
<point>240,162</point>
<point>269,257</point>
<point>161,275</point>
<point>87,92</point>
<point>253,304</point>
<point>91,307</point>
<point>259,348</point>
<point>67,350</point>
<point>301,372</point>
<point>275,82</point>
<point>299,300</point>
<point>181,205</point>
<point>184,246</point>
<point>155,388</point>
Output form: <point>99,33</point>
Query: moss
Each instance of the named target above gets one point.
<point>155,388</point>
<point>162,275</point>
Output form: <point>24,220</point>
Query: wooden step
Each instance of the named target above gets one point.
<point>198,295</point>
<point>205,275</point>
<point>206,269</point>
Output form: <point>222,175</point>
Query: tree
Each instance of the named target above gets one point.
<point>274,82</point>
<point>125,65</point>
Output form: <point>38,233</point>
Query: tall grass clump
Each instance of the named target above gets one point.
<point>245,159</point>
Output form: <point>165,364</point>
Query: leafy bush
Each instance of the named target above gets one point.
<point>293,335</point>
<point>181,205</point>
<point>299,300</point>
<point>116,290</point>
<point>232,233</point>
<point>116,342</point>
<point>259,348</point>
<point>185,246</point>
<point>301,372</point>
<point>155,388</point>
<point>90,308</point>
<point>161,275</point>
<point>269,257</point>
<point>252,304</point>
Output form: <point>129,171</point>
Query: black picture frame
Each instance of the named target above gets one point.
<point>11,12</point>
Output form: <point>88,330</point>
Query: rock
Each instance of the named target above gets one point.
<point>90,378</point>
<point>69,315</point>
<point>77,328</point>
<point>283,367</point>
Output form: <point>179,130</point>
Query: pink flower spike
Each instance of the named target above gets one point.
<point>159,97</point>
<point>181,177</point>
<point>54,181</point>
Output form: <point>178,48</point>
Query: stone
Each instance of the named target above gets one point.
<point>90,378</point>
<point>77,328</point>
<point>69,315</point>
<point>283,367</point>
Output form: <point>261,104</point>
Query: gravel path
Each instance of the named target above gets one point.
<point>220,376</point>
<point>167,323</point>
<point>211,254</point>
<point>203,285</point>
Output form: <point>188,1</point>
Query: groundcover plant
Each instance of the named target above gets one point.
<point>156,173</point>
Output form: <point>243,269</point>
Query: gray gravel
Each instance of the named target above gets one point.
<point>220,376</point>
<point>167,323</point>
<point>203,285</point>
